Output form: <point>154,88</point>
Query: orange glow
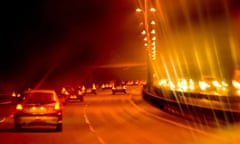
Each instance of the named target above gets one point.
<point>34,108</point>
<point>152,9</point>
<point>13,94</point>
<point>83,88</point>
<point>19,107</point>
<point>41,108</point>
<point>57,106</point>
<point>138,10</point>
<point>94,86</point>
<point>79,92</point>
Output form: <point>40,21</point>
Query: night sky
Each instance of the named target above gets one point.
<point>58,36</point>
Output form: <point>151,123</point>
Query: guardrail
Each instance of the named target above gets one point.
<point>189,105</point>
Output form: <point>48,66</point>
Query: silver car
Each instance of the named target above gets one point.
<point>39,108</point>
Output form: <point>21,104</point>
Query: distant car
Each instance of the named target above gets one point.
<point>39,108</point>
<point>17,96</point>
<point>119,88</point>
<point>106,86</point>
<point>90,89</point>
<point>70,94</point>
<point>130,82</point>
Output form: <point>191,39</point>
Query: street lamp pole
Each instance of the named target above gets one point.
<point>149,67</point>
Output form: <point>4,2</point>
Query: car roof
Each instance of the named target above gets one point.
<point>53,92</point>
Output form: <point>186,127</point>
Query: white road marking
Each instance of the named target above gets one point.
<point>90,126</point>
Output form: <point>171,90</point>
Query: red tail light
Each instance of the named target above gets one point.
<point>57,106</point>
<point>79,92</point>
<point>19,107</point>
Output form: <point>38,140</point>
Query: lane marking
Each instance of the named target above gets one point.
<point>172,122</point>
<point>90,126</point>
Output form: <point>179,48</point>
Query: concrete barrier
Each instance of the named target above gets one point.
<point>195,107</point>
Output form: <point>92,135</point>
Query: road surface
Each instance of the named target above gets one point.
<point>116,119</point>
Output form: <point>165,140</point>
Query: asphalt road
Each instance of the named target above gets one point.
<point>117,119</point>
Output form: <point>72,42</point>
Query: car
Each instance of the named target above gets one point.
<point>107,85</point>
<point>39,108</point>
<point>119,88</point>
<point>72,93</point>
<point>89,89</point>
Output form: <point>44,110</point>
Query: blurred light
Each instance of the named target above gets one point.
<point>138,10</point>
<point>57,106</point>
<point>153,31</point>
<point>80,92</point>
<point>19,107</point>
<point>224,84</point>
<point>145,39</point>
<point>152,9</point>
<point>203,85</point>
<point>94,86</point>
<point>216,84</point>
<point>154,38</point>
<point>66,93</point>
<point>13,94</point>
<point>143,32</point>
<point>162,82</point>
<point>83,88</point>
<point>34,108</point>
<point>236,84</point>
<point>153,22</point>
<point>41,108</point>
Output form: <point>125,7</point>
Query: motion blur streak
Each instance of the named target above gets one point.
<point>195,38</point>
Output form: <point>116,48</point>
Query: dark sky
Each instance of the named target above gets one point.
<point>56,36</point>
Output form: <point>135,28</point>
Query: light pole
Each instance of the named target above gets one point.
<point>150,41</point>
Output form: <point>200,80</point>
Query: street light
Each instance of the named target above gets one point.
<point>150,40</point>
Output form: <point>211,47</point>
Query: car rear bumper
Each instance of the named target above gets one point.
<point>119,90</point>
<point>49,119</point>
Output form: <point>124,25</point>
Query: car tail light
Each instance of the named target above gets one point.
<point>19,107</point>
<point>57,106</point>
<point>94,86</point>
<point>13,94</point>
<point>79,92</point>
<point>113,87</point>
<point>66,93</point>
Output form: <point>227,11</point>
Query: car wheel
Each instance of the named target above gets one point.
<point>59,127</point>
